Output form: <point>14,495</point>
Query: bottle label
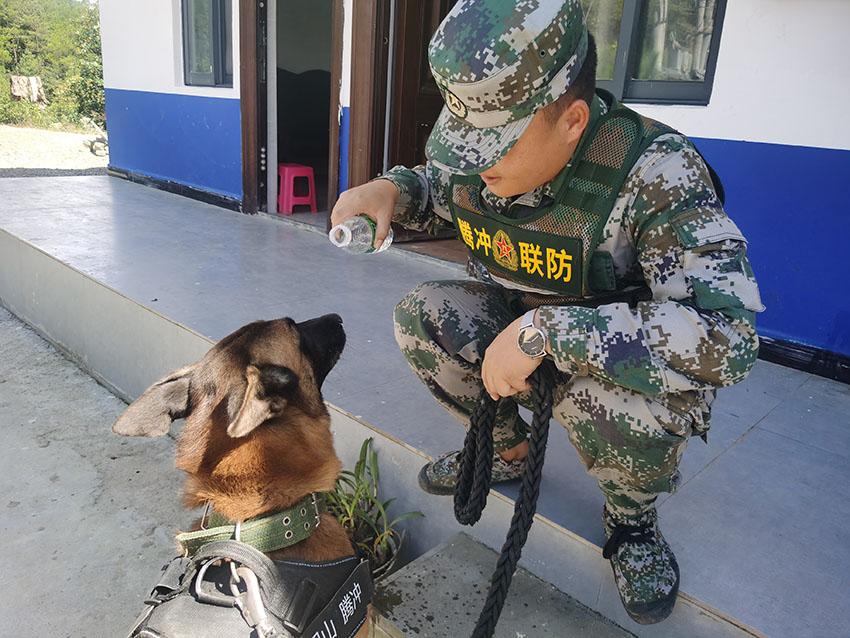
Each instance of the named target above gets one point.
<point>373,227</point>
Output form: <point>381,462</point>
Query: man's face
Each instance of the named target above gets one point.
<point>537,157</point>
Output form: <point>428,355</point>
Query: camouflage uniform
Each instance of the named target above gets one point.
<point>638,380</point>
<point>638,375</point>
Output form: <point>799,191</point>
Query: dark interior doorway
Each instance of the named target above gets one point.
<point>304,35</point>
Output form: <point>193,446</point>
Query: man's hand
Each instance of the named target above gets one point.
<point>506,369</point>
<point>374,199</point>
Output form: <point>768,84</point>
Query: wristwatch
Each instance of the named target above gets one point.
<point>530,339</point>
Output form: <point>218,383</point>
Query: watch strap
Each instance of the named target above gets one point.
<point>527,319</point>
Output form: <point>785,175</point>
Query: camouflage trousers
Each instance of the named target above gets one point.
<point>630,442</point>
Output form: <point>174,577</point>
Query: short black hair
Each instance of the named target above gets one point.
<point>583,87</point>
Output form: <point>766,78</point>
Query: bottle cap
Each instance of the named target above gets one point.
<point>340,235</point>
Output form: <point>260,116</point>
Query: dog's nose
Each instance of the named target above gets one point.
<point>334,317</point>
<point>331,321</point>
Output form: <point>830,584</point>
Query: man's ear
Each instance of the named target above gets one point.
<point>574,120</point>
<point>269,389</point>
<point>152,413</point>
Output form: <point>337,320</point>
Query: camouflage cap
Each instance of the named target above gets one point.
<point>496,62</point>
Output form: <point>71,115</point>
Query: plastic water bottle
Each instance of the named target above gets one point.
<point>357,235</point>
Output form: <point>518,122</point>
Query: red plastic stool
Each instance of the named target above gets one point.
<point>287,198</point>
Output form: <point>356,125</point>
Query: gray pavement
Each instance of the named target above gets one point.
<point>89,517</point>
<point>81,547</point>
<point>760,525</point>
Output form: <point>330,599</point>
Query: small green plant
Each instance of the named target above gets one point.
<point>357,506</point>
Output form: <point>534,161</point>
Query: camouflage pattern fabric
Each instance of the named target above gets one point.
<point>630,442</point>
<point>637,373</point>
<point>443,329</point>
<point>534,50</point>
<point>643,375</point>
<point>645,569</point>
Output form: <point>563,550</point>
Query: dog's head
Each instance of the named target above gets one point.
<point>257,431</point>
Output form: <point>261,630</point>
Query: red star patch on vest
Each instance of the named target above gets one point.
<point>504,248</point>
<point>504,251</point>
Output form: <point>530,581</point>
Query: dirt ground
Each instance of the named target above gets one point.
<point>88,517</point>
<point>26,152</point>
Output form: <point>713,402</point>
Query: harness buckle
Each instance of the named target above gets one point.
<point>250,602</point>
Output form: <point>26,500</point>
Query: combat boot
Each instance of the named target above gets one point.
<point>645,568</point>
<point>440,475</point>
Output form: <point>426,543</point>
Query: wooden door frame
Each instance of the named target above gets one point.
<point>368,60</point>
<point>249,95</point>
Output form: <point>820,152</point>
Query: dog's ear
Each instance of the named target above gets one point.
<point>269,388</point>
<point>152,413</point>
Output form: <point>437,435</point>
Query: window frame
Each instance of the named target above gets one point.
<point>627,89</point>
<point>218,76</point>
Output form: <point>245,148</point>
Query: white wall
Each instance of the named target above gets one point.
<point>143,48</point>
<point>783,76</point>
<point>304,35</point>
<point>345,86</point>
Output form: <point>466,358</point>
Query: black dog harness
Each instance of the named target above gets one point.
<point>229,588</point>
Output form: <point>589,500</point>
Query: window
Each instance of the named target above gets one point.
<point>207,43</point>
<point>656,51</point>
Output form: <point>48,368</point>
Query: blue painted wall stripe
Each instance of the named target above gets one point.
<point>187,139</point>
<point>791,202</point>
<point>343,150</point>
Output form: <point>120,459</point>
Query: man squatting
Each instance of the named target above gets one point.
<point>601,243</point>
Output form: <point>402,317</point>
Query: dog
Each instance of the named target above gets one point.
<point>257,441</point>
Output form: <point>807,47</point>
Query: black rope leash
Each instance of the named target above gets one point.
<point>476,465</point>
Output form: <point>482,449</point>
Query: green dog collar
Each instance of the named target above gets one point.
<point>265,533</point>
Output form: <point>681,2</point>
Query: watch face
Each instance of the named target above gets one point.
<point>531,342</point>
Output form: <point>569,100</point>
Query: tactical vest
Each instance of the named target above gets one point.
<point>554,249</point>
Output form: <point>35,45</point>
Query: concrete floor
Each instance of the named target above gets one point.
<point>759,528</point>
<point>79,552</point>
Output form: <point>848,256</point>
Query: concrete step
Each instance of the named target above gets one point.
<point>113,331</point>
<point>441,594</point>
<point>126,345</point>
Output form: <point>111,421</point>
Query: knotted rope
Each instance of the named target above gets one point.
<point>473,484</point>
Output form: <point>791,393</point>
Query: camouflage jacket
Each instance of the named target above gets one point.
<point>667,229</point>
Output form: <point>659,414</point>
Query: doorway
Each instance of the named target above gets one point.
<point>394,99</point>
<point>302,50</point>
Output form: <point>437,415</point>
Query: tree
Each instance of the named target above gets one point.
<point>87,84</point>
<point>58,40</point>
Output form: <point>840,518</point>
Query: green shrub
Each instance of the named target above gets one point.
<point>356,504</point>
<point>59,41</point>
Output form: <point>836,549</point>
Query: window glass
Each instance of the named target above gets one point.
<point>207,42</point>
<point>603,21</point>
<point>228,41</point>
<point>674,40</point>
<point>201,34</point>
